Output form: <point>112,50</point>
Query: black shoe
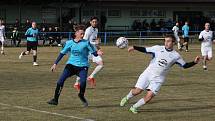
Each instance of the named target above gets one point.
<point>205,69</point>
<point>83,100</point>
<point>52,102</point>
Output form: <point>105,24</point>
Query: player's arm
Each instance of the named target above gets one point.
<point>141,49</point>
<point>61,55</point>
<point>186,65</point>
<point>27,33</point>
<point>201,38</point>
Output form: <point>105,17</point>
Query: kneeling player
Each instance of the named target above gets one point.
<point>77,64</point>
<point>206,37</point>
<point>154,75</point>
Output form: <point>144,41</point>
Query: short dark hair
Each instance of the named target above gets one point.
<point>79,27</point>
<point>94,17</point>
<point>170,36</point>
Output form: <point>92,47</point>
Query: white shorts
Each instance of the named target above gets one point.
<point>1,38</point>
<point>177,38</point>
<point>207,51</point>
<point>95,59</point>
<point>148,82</point>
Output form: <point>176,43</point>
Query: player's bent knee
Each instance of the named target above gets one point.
<point>136,91</point>
<point>34,52</point>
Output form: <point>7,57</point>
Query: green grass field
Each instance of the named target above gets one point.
<point>187,95</point>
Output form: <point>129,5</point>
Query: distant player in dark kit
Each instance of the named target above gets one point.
<point>77,64</point>
<point>32,42</point>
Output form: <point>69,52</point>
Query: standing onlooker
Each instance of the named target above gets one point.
<point>185,32</point>
<point>103,21</point>
<point>43,35</point>
<point>16,37</point>
<point>50,35</point>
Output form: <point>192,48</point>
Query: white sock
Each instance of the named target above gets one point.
<point>139,103</point>
<point>77,79</point>
<point>96,70</point>
<point>179,45</point>
<point>130,95</point>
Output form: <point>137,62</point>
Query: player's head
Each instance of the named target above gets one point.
<point>79,32</point>
<point>34,24</point>
<point>207,26</point>
<point>169,41</point>
<point>177,24</point>
<point>186,22</point>
<point>94,22</point>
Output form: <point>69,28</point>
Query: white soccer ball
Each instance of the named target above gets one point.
<point>122,42</point>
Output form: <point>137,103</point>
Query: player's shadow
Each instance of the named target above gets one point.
<point>110,88</point>
<point>178,109</point>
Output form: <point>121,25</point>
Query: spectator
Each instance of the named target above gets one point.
<point>27,24</point>
<point>57,36</point>
<point>103,21</point>
<point>43,35</point>
<point>15,37</point>
<point>17,24</point>
<point>50,36</point>
<point>153,25</point>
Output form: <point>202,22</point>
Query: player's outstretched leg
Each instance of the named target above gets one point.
<point>142,101</point>
<point>98,68</point>
<point>77,83</point>
<point>131,94</point>
<point>23,53</point>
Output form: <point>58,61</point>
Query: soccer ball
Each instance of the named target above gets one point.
<point>122,42</point>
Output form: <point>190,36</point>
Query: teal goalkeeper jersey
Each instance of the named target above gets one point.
<point>32,34</point>
<point>78,51</point>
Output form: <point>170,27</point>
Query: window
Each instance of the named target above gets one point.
<point>211,14</point>
<point>154,13</point>
<point>87,13</point>
<point>135,13</point>
<point>114,13</point>
<point>138,12</point>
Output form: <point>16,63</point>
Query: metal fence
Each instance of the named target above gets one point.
<point>109,38</point>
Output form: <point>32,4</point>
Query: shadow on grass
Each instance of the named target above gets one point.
<point>178,109</point>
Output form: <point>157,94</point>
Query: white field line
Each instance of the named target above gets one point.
<point>46,112</point>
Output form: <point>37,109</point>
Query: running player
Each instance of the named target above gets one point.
<point>185,32</point>
<point>153,77</point>
<point>2,36</point>
<point>91,35</point>
<point>77,64</point>
<point>175,30</point>
<point>32,42</point>
<point>206,37</point>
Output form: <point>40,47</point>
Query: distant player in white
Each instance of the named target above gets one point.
<point>175,30</point>
<point>2,36</point>
<point>207,38</point>
<point>153,77</point>
<point>91,34</point>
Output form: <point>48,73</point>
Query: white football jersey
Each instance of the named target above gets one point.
<point>208,36</point>
<point>91,35</point>
<point>2,30</point>
<point>175,29</point>
<point>162,60</point>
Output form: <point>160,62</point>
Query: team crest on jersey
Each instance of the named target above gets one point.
<point>162,62</point>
